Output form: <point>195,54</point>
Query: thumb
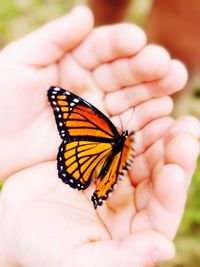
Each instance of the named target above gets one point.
<point>140,250</point>
<point>146,248</point>
<point>50,42</point>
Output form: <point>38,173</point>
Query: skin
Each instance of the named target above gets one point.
<point>164,25</point>
<point>43,221</point>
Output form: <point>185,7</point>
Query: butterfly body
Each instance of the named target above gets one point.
<point>92,150</point>
<point>117,147</point>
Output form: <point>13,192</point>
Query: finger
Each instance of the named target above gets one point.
<point>118,41</point>
<point>182,150</point>
<point>84,86</point>
<point>184,135</point>
<point>149,247</point>
<point>163,208</point>
<point>70,66</point>
<point>145,163</point>
<point>159,204</point>
<point>50,43</point>
<point>173,81</point>
<point>144,113</point>
<point>151,63</point>
<point>185,124</point>
<point>150,134</point>
<point>167,204</point>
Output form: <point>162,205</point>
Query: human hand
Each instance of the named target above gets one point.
<point>68,53</point>
<point>46,223</point>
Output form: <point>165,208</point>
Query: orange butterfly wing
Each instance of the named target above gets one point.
<point>89,148</point>
<point>78,162</point>
<point>76,117</point>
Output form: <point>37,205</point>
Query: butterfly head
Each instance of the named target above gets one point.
<point>125,134</point>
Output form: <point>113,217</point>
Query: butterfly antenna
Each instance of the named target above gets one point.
<point>120,119</point>
<point>120,129</point>
<point>132,113</point>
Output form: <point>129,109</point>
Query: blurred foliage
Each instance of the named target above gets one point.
<point>192,214</point>
<point>1,184</point>
<point>19,17</point>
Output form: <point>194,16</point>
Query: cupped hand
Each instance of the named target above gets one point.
<point>94,63</point>
<point>46,223</point>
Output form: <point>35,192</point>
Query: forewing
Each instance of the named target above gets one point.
<point>80,162</point>
<point>76,118</point>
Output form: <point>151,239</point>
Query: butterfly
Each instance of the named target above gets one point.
<point>92,150</point>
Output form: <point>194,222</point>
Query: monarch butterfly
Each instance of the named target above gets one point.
<point>92,149</point>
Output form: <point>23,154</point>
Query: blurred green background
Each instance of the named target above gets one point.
<point>19,17</point>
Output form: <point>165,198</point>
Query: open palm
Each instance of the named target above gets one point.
<point>46,223</point>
